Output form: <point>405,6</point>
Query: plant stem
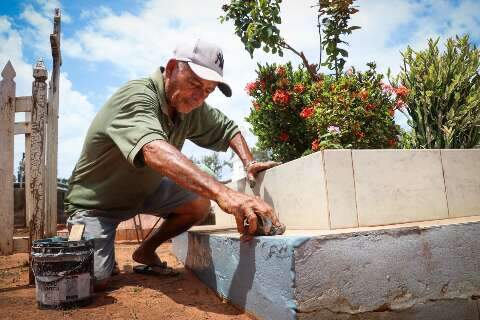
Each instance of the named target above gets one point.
<point>311,70</point>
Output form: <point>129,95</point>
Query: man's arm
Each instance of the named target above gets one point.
<point>240,147</point>
<point>167,160</point>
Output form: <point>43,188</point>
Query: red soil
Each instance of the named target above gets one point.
<point>132,296</point>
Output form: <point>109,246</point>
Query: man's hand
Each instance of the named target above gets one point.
<point>255,168</point>
<point>240,147</point>
<point>244,207</point>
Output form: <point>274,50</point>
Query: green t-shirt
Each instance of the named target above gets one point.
<point>110,174</point>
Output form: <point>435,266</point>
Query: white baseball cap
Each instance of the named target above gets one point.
<point>206,61</point>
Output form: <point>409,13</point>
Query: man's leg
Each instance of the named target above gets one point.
<point>102,231</point>
<point>178,221</point>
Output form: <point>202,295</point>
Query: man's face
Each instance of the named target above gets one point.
<point>185,91</point>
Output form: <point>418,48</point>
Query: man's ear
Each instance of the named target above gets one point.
<point>171,65</point>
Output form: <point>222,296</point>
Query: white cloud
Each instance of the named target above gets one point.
<point>135,44</point>
<point>75,113</point>
<point>38,33</point>
<point>411,23</point>
<point>48,8</point>
<point>11,49</point>
<point>39,17</point>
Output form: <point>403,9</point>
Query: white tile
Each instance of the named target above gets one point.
<point>397,186</point>
<point>462,180</point>
<point>340,188</point>
<point>296,190</point>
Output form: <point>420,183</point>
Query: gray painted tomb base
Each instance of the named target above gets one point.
<point>394,273</point>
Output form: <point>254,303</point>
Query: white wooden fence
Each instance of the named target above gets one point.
<point>41,140</point>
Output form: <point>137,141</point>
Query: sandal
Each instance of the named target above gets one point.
<point>158,270</point>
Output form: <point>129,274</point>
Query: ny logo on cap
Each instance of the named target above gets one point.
<point>219,60</point>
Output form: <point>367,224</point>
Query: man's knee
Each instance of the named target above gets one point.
<point>198,209</point>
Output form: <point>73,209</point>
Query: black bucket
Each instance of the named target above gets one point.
<point>63,272</point>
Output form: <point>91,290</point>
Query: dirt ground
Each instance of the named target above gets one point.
<point>132,296</point>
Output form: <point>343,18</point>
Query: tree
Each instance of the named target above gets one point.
<point>256,23</point>
<point>213,163</point>
<point>260,154</point>
<point>336,15</point>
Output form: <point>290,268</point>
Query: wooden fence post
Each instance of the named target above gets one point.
<point>52,131</point>
<point>7,121</point>
<point>28,185</point>
<point>37,152</point>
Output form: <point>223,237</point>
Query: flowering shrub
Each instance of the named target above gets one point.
<point>292,115</point>
<point>443,107</point>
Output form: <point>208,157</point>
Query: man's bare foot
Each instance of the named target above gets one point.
<point>150,263</point>
<point>147,258</point>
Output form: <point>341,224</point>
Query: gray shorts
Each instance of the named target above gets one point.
<point>102,225</point>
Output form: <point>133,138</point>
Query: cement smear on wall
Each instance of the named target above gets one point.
<point>404,273</point>
<point>393,271</point>
<point>257,276</point>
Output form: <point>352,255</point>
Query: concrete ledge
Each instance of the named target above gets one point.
<point>428,271</point>
<point>464,309</point>
<point>335,189</point>
<point>256,276</point>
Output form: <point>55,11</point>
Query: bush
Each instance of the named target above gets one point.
<point>443,105</point>
<point>292,115</point>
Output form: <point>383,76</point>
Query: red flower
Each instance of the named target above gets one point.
<point>315,145</point>
<point>307,112</point>
<point>363,94</point>
<point>256,105</point>
<point>280,71</point>
<point>370,106</point>
<point>281,97</point>
<point>283,137</point>
<point>392,142</point>
<point>251,87</point>
<point>401,92</point>
<point>298,88</point>
<point>359,134</point>
<point>262,84</point>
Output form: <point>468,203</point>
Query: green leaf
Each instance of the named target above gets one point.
<point>343,52</point>
<point>269,32</point>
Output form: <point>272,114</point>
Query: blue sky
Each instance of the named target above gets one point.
<point>106,43</point>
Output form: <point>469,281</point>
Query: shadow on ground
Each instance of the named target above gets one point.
<point>131,296</point>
